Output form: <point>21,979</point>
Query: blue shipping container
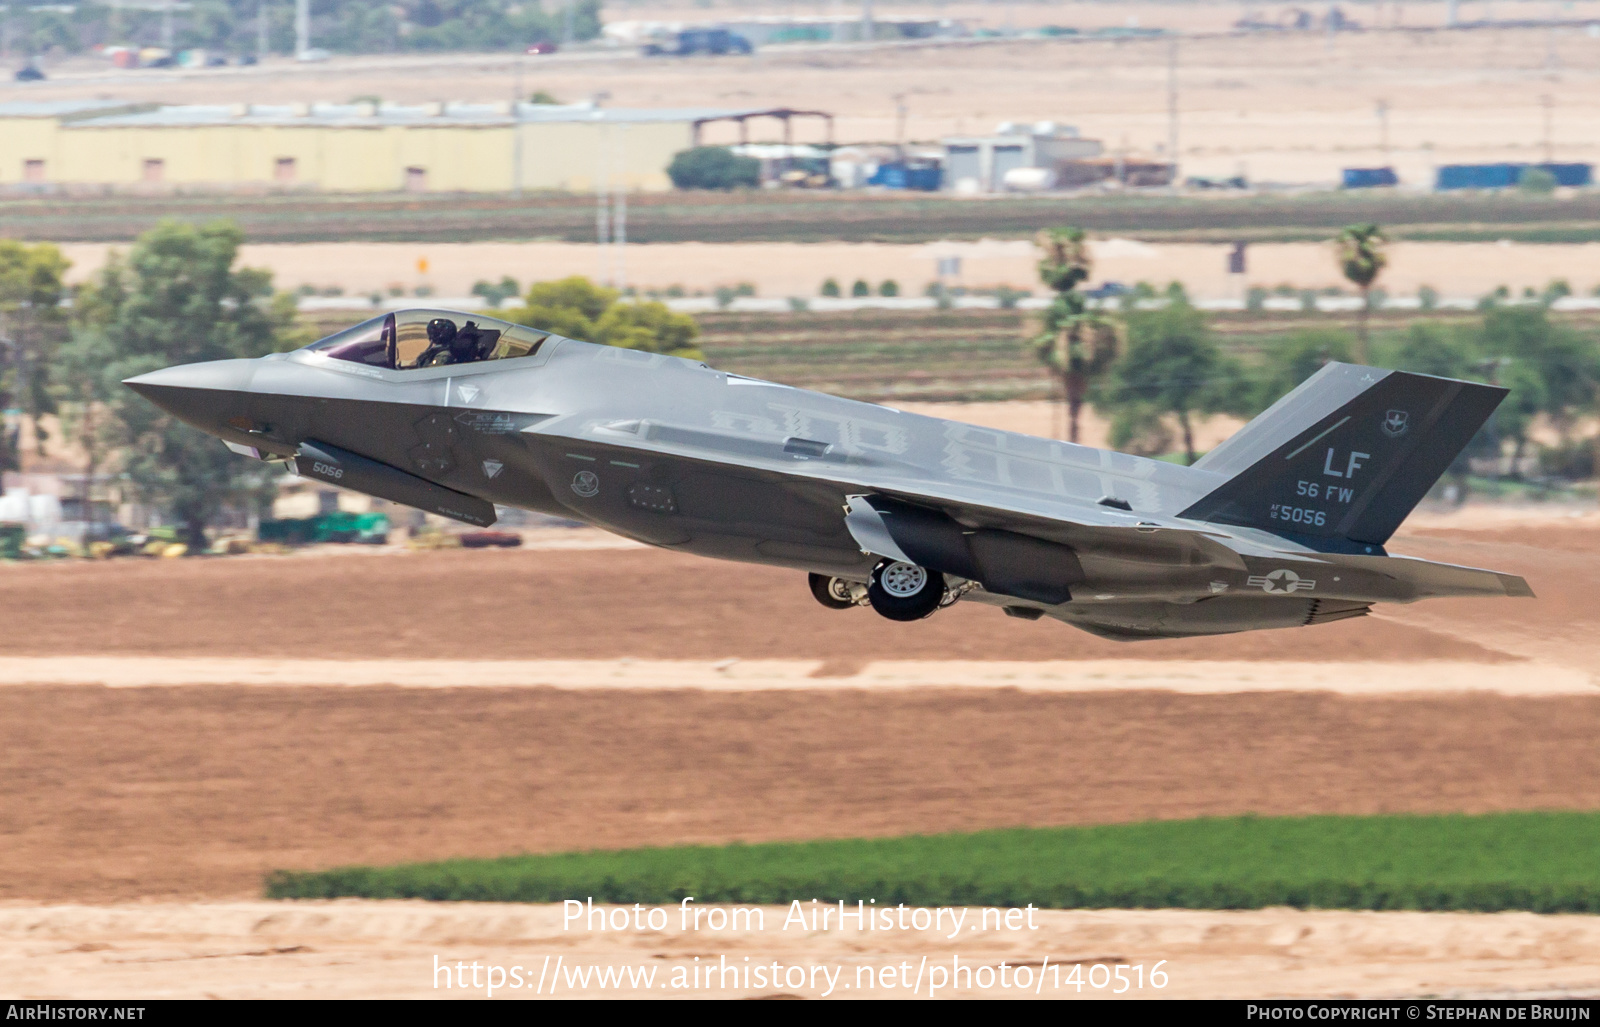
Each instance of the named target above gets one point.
<point>1574,175</point>
<point>1507,175</point>
<point>1478,176</point>
<point>1369,178</point>
<point>924,178</point>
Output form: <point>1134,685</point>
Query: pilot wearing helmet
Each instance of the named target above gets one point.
<point>450,345</point>
<point>441,340</point>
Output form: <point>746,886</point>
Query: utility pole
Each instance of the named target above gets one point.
<point>261,30</point>
<point>516,129</point>
<point>1172,109</point>
<point>1383,129</point>
<point>302,27</point>
<point>619,217</point>
<point>602,189</point>
<point>1548,102</point>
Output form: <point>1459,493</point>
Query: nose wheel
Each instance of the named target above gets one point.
<point>904,591</point>
<point>834,593</point>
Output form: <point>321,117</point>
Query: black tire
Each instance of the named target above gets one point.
<point>894,601</point>
<point>822,587</point>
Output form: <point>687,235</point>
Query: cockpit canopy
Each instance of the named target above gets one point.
<point>407,340</point>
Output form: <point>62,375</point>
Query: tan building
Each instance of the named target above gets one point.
<point>357,147</point>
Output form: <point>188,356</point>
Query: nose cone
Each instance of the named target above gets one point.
<point>205,395</point>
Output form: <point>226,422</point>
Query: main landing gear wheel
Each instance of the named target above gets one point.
<point>904,591</point>
<point>834,593</point>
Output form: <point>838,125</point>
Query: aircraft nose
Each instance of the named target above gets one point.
<point>205,395</point>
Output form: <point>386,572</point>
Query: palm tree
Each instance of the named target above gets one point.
<point>1077,344</point>
<point>1362,259</point>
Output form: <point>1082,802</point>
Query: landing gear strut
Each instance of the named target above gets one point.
<point>834,593</point>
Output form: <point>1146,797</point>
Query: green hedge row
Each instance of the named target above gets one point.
<point>1544,862</point>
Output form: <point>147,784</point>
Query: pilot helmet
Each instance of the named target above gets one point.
<point>441,331</point>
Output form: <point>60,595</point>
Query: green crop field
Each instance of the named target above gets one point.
<point>1545,862</point>
<point>810,216</point>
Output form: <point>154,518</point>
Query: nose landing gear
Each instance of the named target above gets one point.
<point>837,593</point>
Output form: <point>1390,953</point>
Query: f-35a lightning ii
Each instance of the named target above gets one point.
<point>1282,525</point>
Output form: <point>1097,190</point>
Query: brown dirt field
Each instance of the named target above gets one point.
<point>559,605</point>
<point>778,269</point>
<point>190,794</point>
<point>356,949</point>
<point>196,792</point>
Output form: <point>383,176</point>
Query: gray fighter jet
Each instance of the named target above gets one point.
<point>1284,524</point>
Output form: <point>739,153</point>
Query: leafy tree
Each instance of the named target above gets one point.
<point>177,299</point>
<point>889,287</point>
<point>210,24</point>
<point>1297,356</point>
<point>1549,368</point>
<point>1141,429</point>
<point>1537,182</point>
<point>860,288</point>
<point>32,324</point>
<point>1079,345</point>
<point>651,327</point>
<point>350,26</point>
<point>1172,366</point>
<point>579,309</point>
<point>1514,417</point>
<point>713,167</point>
<point>86,390</point>
<point>496,292</point>
<point>1362,259</point>
<point>830,288</point>
<point>1428,347</point>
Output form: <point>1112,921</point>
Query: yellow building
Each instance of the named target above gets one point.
<point>357,147</point>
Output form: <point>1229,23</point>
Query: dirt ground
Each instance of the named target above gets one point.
<point>352,949</point>
<point>777,269</point>
<point>197,792</point>
<point>544,604</point>
<point>157,803</point>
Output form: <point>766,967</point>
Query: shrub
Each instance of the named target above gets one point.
<point>860,288</point>
<point>1537,182</point>
<point>830,288</point>
<point>1008,296</point>
<point>889,287</point>
<point>713,167</point>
